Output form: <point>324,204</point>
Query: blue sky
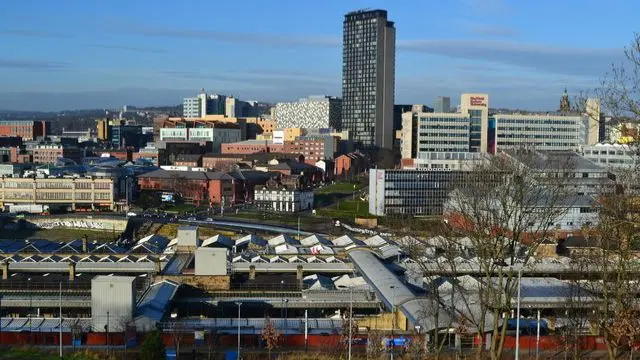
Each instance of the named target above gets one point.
<point>91,54</point>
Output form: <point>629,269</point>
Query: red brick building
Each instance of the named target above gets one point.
<point>197,187</point>
<point>251,147</point>
<point>352,163</point>
<point>26,129</point>
<point>192,160</point>
<point>49,153</point>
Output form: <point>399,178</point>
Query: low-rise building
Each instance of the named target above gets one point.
<point>50,153</point>
<point>216,135</point>
<point>612,156</point>
<point>283,199</point>
<point>191,160</point>
<point>72,192</point>
<point>197,187</point>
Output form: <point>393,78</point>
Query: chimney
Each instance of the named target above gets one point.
<point>158,267</point>
<point>5,270</point>
<point>252,272</point>
<point>72,271</point>
<point>84,244</point>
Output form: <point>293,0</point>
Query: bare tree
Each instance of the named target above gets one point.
<point>270,335</point>
<point>348,329</point>
<point>511,200</point>
<point>177,332</point>
<point>375,347</point>
<point>613,268</point>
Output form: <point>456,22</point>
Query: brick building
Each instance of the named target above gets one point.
<point>197,187</point>
<point>352,163</point>
<point>26,129</point>
<point>251,147</point>
<point>192,160</point>
<point>50,153</point>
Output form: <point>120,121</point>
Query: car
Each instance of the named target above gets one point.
<point>131,214</point>
<point>209,219</point>
<point>191,219</point>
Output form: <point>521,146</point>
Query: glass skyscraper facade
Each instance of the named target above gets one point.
<point>368,76</point>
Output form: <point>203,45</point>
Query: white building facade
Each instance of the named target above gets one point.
<point>542,132</point>
<point>613,156</point>
<point>283,200</point>
<point>217,136</point>
<point>314,112</point>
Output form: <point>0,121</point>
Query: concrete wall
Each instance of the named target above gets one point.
<point>96,223</point>
<point>112,302</point>
<point>211,261</point>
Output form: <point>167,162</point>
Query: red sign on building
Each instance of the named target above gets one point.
<point>478,101</point>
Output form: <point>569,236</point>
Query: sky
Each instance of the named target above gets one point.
<point>78,54</point>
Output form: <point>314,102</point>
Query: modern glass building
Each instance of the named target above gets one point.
<point>542,132</point>
<point>368,76</point>
<point>418,192</point>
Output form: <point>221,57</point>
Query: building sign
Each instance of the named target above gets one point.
<point>478,101</point>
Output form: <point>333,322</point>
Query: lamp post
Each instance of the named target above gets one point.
<point>350,319</point>
<point>517,355</point>
<point>239,305</point>
<point>30,309</point>
<point>393,318</point>
<point>60,327</point>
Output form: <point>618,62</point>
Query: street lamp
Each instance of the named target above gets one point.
<point>60,303</point>
<point>239,305</point>
<point>350,319</point>
<point>517,357</point>
<point>393,318</point>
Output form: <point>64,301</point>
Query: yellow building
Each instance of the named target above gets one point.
<point>103,129</point>
<point>86,192</point>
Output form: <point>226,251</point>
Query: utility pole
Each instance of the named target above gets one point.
<point>517,357</point>
<point>239,305</point>
<point>350,319</point>
<point>393,319</point>
<point>60,304</point>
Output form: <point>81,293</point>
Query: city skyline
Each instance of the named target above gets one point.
<point>78,55</point>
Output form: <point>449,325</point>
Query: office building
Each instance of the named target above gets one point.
<point>442,104</point>
<point>476,106</point>
<point>65,192</point>
<point>318,112</point>
<point>50,153</point>
<point>26,129</point>
<point>543,132</point>
<point>237,108</point>
<point>612,156</point>
<point>217,135</point>
<point>596,131</point>
<point>368,76</point>
<point>203,104</point>
<point>412,192</point>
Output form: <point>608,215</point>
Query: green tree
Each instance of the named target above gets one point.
<point>152,347</point>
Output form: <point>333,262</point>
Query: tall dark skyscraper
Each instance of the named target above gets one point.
<point>368,76</point>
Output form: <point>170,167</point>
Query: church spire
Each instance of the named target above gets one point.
<point>565,106</point>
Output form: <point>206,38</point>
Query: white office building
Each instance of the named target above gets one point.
<point>283,200</point>
<point>612,156</point>
<point>542,132</point>
<point>217,136</point>
<point>314,112</point>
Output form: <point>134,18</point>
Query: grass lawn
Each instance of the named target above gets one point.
<point>340,188</point>
<point>346,209</point>
<point>26,353</point>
